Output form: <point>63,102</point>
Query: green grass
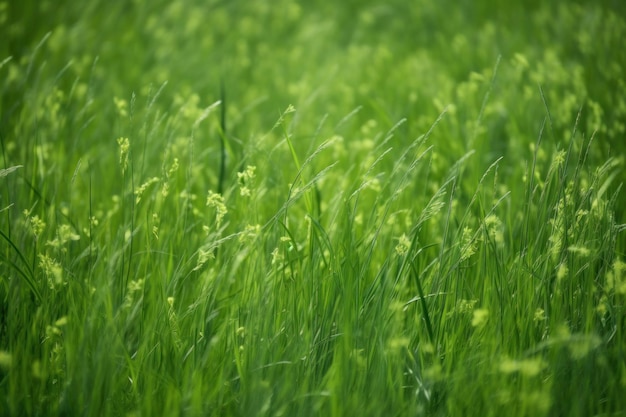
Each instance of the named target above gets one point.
<point>310,208</point>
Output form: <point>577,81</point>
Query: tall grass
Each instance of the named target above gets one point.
<point>432,228</point>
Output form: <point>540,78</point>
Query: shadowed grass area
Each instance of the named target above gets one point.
<point>289,208</point>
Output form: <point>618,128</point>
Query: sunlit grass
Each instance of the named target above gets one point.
<point>331,213</point>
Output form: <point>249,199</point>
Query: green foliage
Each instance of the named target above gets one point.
<point>420,210</point>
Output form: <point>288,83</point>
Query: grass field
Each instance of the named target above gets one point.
<point>231,208</point>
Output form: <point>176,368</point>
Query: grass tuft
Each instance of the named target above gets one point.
<point>437,230</point>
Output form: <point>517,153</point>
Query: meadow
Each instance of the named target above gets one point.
<point>290,208</point>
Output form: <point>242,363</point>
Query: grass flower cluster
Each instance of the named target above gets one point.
<point>308,208</point>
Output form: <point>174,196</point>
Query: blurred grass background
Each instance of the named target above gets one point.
<point>396,59</point>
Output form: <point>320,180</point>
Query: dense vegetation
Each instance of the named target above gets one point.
<point>369,208</point>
